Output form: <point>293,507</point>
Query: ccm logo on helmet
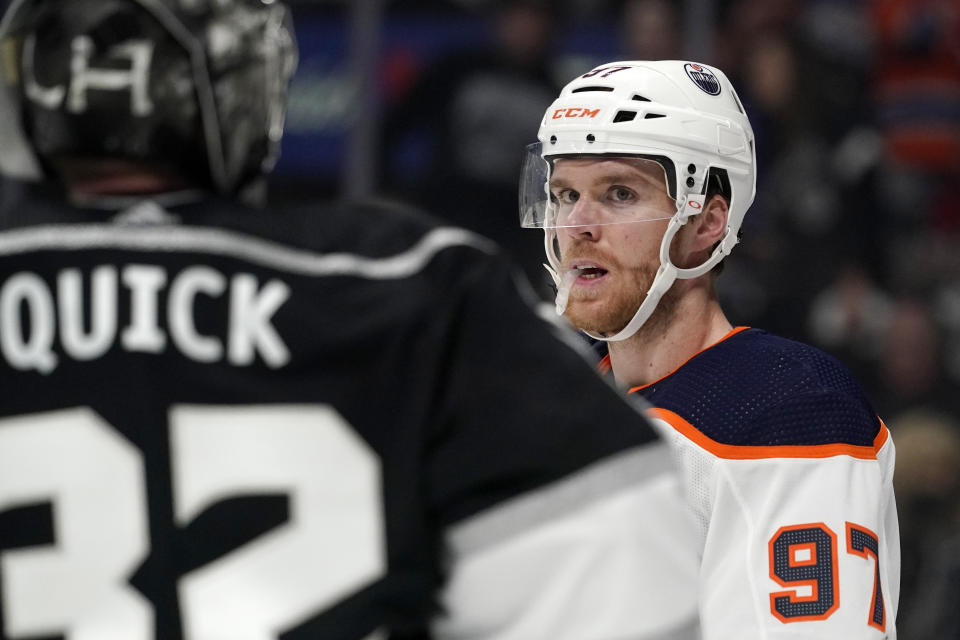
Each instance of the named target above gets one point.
<point>575,112</point>
<point>703,78</point>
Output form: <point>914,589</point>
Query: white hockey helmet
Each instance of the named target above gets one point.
<point>683,115</point>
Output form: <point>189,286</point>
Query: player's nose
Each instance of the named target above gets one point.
<point>582,219</point>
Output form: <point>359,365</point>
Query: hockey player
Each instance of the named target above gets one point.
<point>641,179</point>
<point>219,422</point>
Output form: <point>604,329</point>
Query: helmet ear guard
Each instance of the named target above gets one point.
<point>684,113</point>
<point>199,85</point>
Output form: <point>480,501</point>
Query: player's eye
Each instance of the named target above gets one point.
<point>622,194</point>
<point>566,196</point>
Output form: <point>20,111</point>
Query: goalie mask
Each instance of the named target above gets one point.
<point>195,85</point>
<point>679,124</point>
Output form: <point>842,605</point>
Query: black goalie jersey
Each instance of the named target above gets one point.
<point>221,423</point>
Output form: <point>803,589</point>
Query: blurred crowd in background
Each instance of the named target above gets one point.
<point>852,244</point>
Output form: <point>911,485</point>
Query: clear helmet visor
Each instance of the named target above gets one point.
<point>590,190</point>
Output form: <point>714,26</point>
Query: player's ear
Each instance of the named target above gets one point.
<point>697,239</point>
<point>712,223</point>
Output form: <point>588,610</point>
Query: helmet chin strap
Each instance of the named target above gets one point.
<point>666,274</point>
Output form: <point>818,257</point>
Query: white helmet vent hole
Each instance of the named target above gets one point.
<point>625,116</point>
<point>651,116</point>
<point>640,98</point>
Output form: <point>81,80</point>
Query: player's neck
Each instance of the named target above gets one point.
<point>693,323</point>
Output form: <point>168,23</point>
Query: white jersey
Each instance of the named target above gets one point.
<point>790,474</point>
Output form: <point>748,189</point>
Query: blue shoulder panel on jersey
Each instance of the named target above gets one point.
<point>757,389</point>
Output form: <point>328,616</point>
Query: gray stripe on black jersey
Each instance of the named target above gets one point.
<point>237,245</point>
<point>631,468</point>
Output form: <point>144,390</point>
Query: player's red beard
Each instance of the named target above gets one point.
<point>606,310</point>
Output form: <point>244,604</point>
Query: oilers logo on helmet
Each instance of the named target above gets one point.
<point>703,78</point>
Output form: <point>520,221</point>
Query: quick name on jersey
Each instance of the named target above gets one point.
<point>35,312</point>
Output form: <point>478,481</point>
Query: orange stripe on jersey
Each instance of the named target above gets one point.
<point>732,332</point>
<point>882,436</point>
<point>604,365</point>
<point>748,452</point>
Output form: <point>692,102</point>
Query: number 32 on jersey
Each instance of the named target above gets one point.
<point>803,559</point>
<point>94,480</point>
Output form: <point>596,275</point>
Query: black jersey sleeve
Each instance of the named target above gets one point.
<point>521,407</point>
<point>555,495</point>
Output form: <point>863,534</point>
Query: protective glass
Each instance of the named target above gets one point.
<point>590,190</point>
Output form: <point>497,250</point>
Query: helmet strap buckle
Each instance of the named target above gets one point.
<point>692,205</point>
